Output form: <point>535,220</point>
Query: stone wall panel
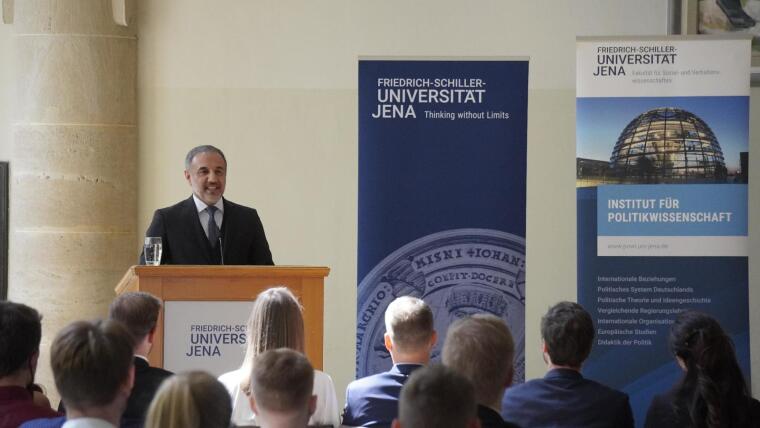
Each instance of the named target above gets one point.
<point>73,79</point>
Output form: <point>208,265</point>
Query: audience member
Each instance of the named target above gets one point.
<point>436,397</point>
<point>563,398</point>
<point>20,334</point>
<point>712,392</point>
<point>276,322</point>
<point>409,338</point>
<point>281,389</point>
<point>93,371</point>
<point>139,313</point>
<point>190,400</point>
<point>481,349</point>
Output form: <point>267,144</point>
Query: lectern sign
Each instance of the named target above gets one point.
<point>207,336</point>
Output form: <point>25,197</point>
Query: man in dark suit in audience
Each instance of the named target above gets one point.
<point>409,338</point>
<point>563,398</point>
<point>207,229</point>
<point>93,371</point>
<point>20,334</point>
<point>437,397</point>
<point>481,349</point>
<point>139,312</point>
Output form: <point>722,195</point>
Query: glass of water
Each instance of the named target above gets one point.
<point>152,250</point>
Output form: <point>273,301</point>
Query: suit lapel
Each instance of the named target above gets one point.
<point>228,216</point>
<point>140,365</point>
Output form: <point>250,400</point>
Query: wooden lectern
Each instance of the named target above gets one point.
<point>232,283</point>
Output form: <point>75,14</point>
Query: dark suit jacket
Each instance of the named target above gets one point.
<point>490,418</point>
<point>662,414</point>
<point>373,400</point>
<point>147,381</point>
<point>563,398</point>
<point>185,243</point>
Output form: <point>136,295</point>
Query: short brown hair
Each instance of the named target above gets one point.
<point>437,396</point>
<point>91,361</point>
<point>568,333</point>
<point>481,349</point>
<point>282,381</point>
<point>190,400</point>
<point>138,311</point>
<point>275,322</point>
<point>409,323</point>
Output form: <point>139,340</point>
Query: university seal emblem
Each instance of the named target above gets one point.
<point>457,272</point>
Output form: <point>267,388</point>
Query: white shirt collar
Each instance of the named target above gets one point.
<point>200,205</point>
<point>87,423</point>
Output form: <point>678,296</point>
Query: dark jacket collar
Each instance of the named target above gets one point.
<point>141,364</point>
<point>404,369</point>
<point>490,418</point>
<point>563,374</point>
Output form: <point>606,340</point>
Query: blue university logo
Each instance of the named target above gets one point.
<point>457,272</point>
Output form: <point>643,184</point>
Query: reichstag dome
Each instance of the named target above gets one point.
<point>667,145</point>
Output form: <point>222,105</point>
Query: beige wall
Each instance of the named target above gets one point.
<point>274,84</point>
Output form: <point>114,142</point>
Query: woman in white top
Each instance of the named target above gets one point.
<point>276,322</point>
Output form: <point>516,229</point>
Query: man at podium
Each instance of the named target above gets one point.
<point>207,229</point>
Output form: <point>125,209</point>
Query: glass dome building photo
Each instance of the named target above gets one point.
<point>668,145</point>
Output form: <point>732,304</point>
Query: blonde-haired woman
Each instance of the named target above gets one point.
<point>190,400</point>
<point>276,322</point>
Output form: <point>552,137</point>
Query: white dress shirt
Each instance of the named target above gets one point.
<point>203,213</point>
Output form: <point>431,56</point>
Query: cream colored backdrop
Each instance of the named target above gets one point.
<point>273,83</point>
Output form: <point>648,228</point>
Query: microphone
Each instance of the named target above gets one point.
<point>221,250</point>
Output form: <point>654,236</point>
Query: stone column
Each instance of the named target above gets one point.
<point>73,161</point>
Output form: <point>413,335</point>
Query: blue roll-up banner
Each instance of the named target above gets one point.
<point>442,162</point>
<point>661,176</point>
